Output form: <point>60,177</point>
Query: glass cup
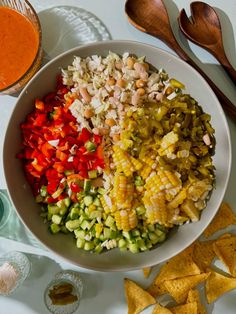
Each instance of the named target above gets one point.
<point>26,9</point>
<point>60,281</point>
<point>14,269</point>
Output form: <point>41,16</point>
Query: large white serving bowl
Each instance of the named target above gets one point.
<point>20,191</point>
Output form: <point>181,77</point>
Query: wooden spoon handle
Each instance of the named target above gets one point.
<point>219,53</point>
<point>228,68</point>
<point>232,73</point>
<point>225,102</point>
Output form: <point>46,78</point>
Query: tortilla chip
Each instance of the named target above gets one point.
<point>203,254</point>
<point>225,249</point>
<point>180,287</point>
<point>224,217</point>
<point>193,296</point>
<point>137,298</point>
<point>147,271</point>
<point>217,284</point>
<point>158,309</point>
<point>185,309</point>
<point>178,266</point>
<point>157,289</point>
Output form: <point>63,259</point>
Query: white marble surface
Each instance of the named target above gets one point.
<point>104,292</point>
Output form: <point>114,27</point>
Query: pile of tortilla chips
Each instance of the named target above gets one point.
<point>180,276</point>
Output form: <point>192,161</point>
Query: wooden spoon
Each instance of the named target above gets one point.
<point>150,16</point>
<point>204,29</point>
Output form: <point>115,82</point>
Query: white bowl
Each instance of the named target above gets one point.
<point>20,191</point>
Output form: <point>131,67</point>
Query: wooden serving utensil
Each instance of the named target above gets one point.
<point>150,16</point>
<point>204,29</point>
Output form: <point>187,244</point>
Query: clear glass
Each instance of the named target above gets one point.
<point>20,263</point>
<point>25,8</point>
<point>63,277</point>
<point>69,27</point>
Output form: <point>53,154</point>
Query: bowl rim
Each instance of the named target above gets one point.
<point>193,238</point>
<point>39,31</point>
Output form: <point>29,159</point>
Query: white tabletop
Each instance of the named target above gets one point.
<point>104,292</point>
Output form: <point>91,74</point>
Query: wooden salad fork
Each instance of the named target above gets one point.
<point>204,29</point>
<point>150,16</point>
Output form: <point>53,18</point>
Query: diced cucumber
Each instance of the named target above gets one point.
<point>54,228</point>
<point>49,216</point>
<point>53,209</point>
<point>97,202</point>
<point>102,237</point>
<point>101,191</point>
<point>133,247</point>
<point>88,246</point>
<point>56,219</point>
<point>80,196</point>
<point>71,225</point>
<point>144,235</point>
<point>87,185</point>
<point>82,218</point>
<point>113,234</point>
<point>127,235</point>
<point>140,210</point>
<point>110,221</point>
<point>64,229</point>
<point>80,243</point>
<point>85,225</point>
<point>95,214</point>
<point>162,237</point>
<point>107,233</point>
<point>153,237</point>
<point>88,200</point>
<point>138,181</point>
<point>135,233</point>
<point>151,228</point>
<point>159,227</point>
<point>67,201</point>
<point>92,174</point>
<point>79,233</point>
<point>158,232</point>
<point>122,243</point>
<point>149,244</point>
<point>98,249</point>
<point>90,146</point>
<point>74,213</point>
<point>43,191</point>
<point>63,208</point>
<point>141,244</point>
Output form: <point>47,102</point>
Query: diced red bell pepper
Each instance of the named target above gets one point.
<point>74,187</point>
<point>47,149</point>
<point>97,139</point>
<point>39,104</point>
<point>61,155</point>
<point>84,135</point>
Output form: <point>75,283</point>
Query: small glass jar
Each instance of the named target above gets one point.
<point>14,269</point>
<point>57,304</point>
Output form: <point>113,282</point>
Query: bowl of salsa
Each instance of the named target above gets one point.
<point>20,40</point>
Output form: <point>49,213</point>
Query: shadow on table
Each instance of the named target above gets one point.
<point>31,292</point>
<point>43,269</point>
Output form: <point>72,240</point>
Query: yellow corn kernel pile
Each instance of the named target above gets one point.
<point>126,219</point>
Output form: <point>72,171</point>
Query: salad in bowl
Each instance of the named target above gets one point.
<point>118,154</point>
